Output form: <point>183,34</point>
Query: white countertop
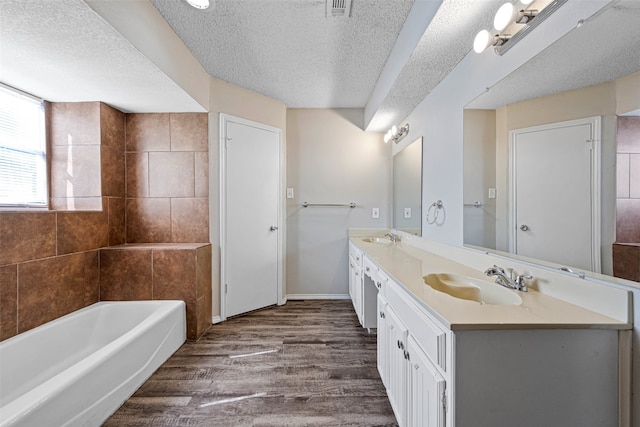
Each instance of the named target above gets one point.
<point>407,265</point>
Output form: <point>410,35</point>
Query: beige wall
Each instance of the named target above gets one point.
<point>331,160</point>
<point>236,101</point>
<point>479,176</point>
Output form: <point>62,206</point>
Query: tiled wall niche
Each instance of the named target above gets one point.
<point>626,250</point>
<point>50,261</point>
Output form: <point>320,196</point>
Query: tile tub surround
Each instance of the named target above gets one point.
<point>626,261</point>
<point>167,178</point>
<point>161,271</point>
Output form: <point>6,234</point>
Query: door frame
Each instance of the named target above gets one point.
<point>596,140</point>
<point>224,119</point>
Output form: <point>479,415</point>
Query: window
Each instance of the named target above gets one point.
<point>23,161</point>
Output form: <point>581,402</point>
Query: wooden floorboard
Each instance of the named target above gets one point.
<point>307,363</point>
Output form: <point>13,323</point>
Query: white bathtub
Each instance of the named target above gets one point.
<point>78,369</point>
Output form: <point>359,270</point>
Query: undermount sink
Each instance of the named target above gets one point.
<point>472,289</point>
<point>383,240</point>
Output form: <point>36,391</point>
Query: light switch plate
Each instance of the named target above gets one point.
<point>289,193</point>
<point>407,213</point>
<point>375,212</point>
<point>492,193</point>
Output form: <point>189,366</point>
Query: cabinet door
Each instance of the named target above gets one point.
<point>383,347</point>
<point>357,291</point>
<point>398,366</point>
<point>427,399</point>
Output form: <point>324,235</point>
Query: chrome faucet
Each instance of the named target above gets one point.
<point>393,237</point>
<point>508,280</point>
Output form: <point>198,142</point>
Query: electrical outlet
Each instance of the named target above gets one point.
<point>289,193</point>
<point>375,213</point>
<point>407,213</point>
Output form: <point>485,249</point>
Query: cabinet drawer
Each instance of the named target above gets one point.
<point>356,254</point>
<point>370,269</point>
<point>428,334</point>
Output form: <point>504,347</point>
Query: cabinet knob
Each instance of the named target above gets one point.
<point>398,343</point>
<point>367,268</point>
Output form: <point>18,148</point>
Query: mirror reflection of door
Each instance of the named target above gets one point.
<point>555,189</point>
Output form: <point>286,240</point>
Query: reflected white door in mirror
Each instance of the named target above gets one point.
<point>554,182</point>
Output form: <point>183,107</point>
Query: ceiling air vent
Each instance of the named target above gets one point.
<point>339,8</point>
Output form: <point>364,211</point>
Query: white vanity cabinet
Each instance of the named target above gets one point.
<point>410,348</point>
<point>355,277</point>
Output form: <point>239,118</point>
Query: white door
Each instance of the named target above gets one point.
<point>250,224</point>
<point>427,398</point>
<point>555,183</point>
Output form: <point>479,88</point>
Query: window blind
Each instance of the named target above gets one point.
<point>23,161</point>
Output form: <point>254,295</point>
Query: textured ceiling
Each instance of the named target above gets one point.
<point>604,48</point>
<point>62,51</point>
<point>290,50</point>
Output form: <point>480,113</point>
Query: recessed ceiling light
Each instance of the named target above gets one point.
<point>198,4</point>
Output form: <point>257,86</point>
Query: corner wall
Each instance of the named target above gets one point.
<point>330,159</point>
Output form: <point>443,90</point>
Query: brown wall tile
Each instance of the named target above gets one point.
<point>190,220</point>
<point>91,277</point>
<point>8,301</point>
<point>82,231</point>
<point>75,171</point>
<point>171,174</point>
<point>148,220</point>
<point>628,221</point>
<point>125,275</point>
<point>137,174</point>
<point>148,132</point>
<point>75,123</point>
<point>634,176</point>
<point>49,289</point>
<point>112,127</point>
<point>113,172</point>
<point>117,231</point>
<point>189,131</point>
<point>622,176</point>
<point>628,135</point>
<point>203,305</point>
<point>174,274</point>
<point>201,174</point>
<point>192,320</point>
<point>203,271</point>
<point>27,236</point>
<point>626,262</point>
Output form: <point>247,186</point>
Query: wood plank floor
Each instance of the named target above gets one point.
<point>307,363</point>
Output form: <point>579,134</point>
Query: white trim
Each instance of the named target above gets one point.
<point>596,137</point>
<point>294,297</point>
<point>215,319</point>
<point>224,119</point>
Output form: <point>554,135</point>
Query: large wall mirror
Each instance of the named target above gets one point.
<point>407,188</point>
<point>577,79</point>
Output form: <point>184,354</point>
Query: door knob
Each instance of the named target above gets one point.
<point>524,227</point>
<point>274,228</point>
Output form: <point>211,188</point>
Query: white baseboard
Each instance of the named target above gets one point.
<point>317,296</point>
<point>215,319</point>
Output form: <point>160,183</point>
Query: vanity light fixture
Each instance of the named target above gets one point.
<point>198,4</point>
<point>512,22</point>
<point>394,134</point>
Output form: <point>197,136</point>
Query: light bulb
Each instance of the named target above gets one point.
<point>386,137</point>
<point>394,130</point>
<point>503,17</point>
<point>483,40</point>
<point>199,4</point>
